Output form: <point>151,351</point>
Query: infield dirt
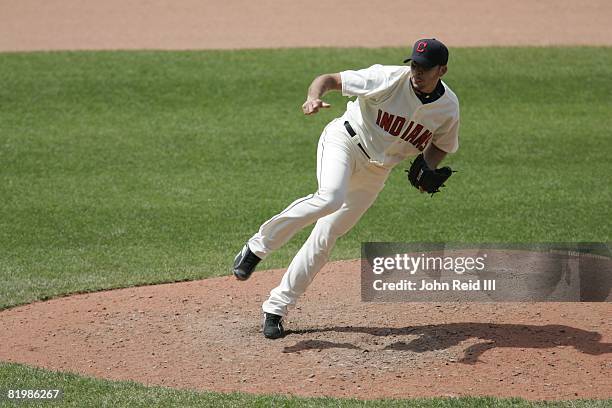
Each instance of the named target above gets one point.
<point>192,24</point>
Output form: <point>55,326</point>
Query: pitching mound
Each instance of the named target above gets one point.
<point>206,335</point>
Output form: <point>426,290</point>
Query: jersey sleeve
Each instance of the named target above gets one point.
<point>371,82</point>
<point>446,138</point>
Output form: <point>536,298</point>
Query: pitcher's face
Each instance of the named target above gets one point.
<point>425,79</point>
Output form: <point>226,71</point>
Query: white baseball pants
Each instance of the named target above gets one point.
<point>348,185</point>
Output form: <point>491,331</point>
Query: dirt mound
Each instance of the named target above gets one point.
<point>206,335</point>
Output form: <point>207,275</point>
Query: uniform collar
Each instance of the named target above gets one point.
<point>426,98</point>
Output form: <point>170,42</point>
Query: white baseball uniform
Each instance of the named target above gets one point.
<point>390,123</point>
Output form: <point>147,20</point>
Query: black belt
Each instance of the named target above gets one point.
<point>351,132</point>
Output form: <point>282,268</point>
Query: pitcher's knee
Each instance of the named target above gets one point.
<point>330,202</point>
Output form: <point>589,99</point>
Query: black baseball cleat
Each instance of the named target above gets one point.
<point>245,263</point>
<point>273,326</point>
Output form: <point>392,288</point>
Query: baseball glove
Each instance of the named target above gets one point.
<point>426,179</point>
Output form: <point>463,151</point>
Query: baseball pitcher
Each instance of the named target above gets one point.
<point>400,111</point>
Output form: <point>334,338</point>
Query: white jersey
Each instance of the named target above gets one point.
<point>391,121</point>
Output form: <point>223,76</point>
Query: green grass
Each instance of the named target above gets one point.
<point>131,168</point>
<point>126,393</point>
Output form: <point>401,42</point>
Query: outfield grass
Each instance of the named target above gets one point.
<point>131,168</point>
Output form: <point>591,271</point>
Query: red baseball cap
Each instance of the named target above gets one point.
<point>429,52</point>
